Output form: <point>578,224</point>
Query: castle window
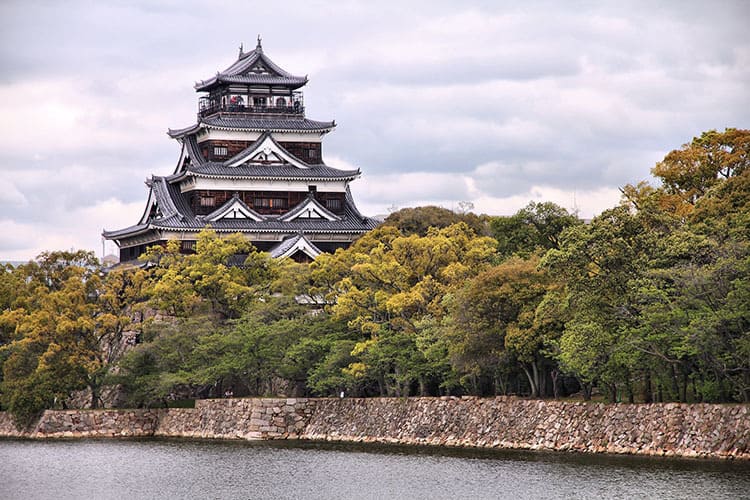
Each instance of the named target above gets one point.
<point>208,201</point>
<point>311,153</point>
<point>280,102</point>
<point>259,102</point>
<point>221,151</point>
<point>333,204</point>
<point>269,203</point>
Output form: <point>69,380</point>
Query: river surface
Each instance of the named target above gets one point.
<point>135,469</point>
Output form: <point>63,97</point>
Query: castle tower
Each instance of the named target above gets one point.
<point>252,163</point>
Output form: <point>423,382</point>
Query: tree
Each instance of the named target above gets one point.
<point>182,285</point>
<point>385,284</point>
<point>534,227</point>
<point>689,172</point>
<point>598,263</point>
<point>66,332</point>
<point>495,318</point>
<point>418,220</point>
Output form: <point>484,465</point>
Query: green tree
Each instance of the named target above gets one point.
<point>495,320</point>
<point>534,227</point>
<point>599,263</point>
<point>182,285</point>
<point>66,333</point>
<point>420,219</point>
<point>385,284</point>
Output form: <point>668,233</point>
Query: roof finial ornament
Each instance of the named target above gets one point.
<point>259,47</point>
<point>242,46</point>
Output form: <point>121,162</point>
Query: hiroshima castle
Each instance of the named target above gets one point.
<point>251,164</point>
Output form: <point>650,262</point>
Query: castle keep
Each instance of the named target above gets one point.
<point>252,163</point>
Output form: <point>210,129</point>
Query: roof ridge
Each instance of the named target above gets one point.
<point>242,67</point>
<point>282,153</point>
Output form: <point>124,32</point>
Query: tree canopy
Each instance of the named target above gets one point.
<point>649,301</point>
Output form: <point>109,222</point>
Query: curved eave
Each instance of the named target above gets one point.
<point>239,70</point>
<point>324,130</point>
<point>178,176</point>
<point>259,230</point>
<point>291,83</point>
<point>279,177</point>
<point>127,232</point>
<point>182,132</point>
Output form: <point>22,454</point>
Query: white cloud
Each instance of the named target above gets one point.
<point>10,196</point>
<point>496,103</point>
<point>381,194</point>
<point>76,229</point>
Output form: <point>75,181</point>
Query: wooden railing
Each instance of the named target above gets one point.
<point>235,108</point>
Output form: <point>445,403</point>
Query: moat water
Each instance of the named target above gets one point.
<point>135,469</point>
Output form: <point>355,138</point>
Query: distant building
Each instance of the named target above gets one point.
<point>251,164</point>
<point>110,260</point>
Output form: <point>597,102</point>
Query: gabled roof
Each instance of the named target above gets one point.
<point>294,244</point>
<point>234,208</point>
<point>168,209</point>
<point>263,159</point>
<point>253,68</point>
<point>310,208</point>
<point>265,151</point>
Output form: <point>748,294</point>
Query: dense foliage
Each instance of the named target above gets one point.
<point>650,301</point>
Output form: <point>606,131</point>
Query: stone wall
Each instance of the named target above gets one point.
<point>252,418</point>
<point>86,423</point>
<point>697,430</point>
<point>7,429</point>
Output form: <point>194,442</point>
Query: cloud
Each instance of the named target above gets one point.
<point>437,102</point>
<point>63,230</point>
<point>377,195</point>
<point>10,196</point>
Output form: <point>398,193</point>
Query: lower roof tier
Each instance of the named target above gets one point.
<point>169,210</point>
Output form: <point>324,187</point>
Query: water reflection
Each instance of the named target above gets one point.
<point>225,469</point>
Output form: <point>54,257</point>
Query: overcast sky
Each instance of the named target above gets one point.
<point>496,103</point>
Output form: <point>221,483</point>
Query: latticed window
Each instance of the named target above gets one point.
<point>333,204</point>
<point>221,151</point>
<point>269,203</point>
<point>208,201</point>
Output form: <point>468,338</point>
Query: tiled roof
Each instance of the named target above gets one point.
<point>128,231</point>
<point>201,167</point>
<point>288,244</point>
<point>266,123</point>
<point>175,214</point>
<point>235,201</point>
<point>271,225</point>
<point>243,70</point>
<point>256,124</point>
<point>191,144</point>
<point>177,133</point>
<point>285,171</point>
<point>310,200</point>
<point>253,79</point>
